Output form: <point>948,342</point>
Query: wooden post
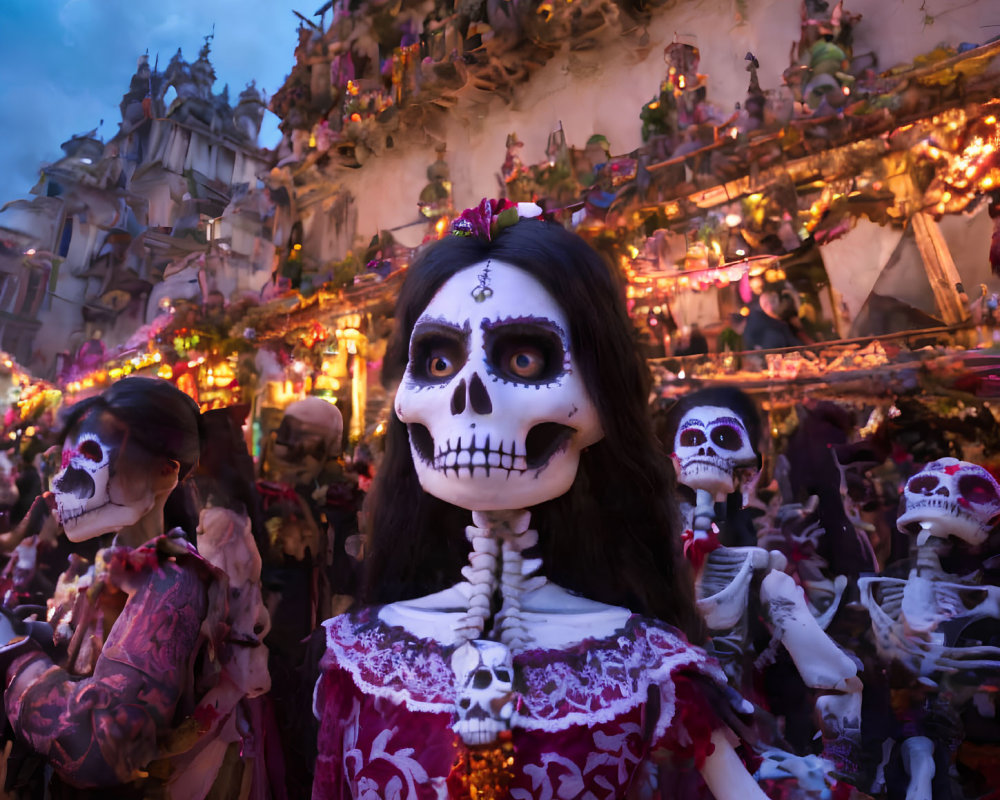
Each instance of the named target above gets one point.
<point>940,267</point>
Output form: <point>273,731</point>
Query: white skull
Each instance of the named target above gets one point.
<point>494,402</point>
<point>951,497</point>
<point>712,443</point>
<point>92,495</point>
<point>484,689</point>
<point>309,434</point>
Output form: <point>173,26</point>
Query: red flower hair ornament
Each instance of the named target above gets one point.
<point>491,216</point>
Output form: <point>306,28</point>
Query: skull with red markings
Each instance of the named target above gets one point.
<point>94,491</point>
<point>949,497</point>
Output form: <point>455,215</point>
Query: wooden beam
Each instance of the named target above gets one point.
<point>940,267</point>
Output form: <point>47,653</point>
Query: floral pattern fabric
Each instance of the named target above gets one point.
<point>589,720</point>
<point>147,609</point>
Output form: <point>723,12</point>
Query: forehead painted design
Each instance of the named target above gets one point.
<point>483,291</point>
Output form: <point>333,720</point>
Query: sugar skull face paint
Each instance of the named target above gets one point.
<point>93,493</point>
<point>495,406</point>
<point>712,444</point>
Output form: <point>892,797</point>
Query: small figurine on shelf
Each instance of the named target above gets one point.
<point>688,86</point>
<point>435,197</point>
<point>532,651</point>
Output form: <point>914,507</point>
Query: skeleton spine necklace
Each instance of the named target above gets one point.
<point>504,534</point>
<point>484,668</point>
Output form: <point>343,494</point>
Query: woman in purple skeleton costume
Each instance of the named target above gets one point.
<point>522,400</point>
<point>142,698</point>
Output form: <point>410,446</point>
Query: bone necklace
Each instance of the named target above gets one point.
<point>483,770</point>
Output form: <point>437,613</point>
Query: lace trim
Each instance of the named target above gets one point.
<point>388,663</point>
<point>591,683</point>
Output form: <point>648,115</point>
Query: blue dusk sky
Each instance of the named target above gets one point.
<point>65,64</point>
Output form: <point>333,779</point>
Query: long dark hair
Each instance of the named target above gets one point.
<point>613,537</point>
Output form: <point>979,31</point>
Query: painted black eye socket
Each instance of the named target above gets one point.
<point>436,358</point>
<point>525,353</point>
<point>692,437</point>
<point>300,441</point>
<point>976,489</point>
<point>481,679</point>
<point>922,483</point>
<point>90,450</point>
<point>727,437</point>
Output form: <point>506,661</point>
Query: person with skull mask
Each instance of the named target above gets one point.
<point>307,568</point>
<point>522,400</point>
<point>137,698</point>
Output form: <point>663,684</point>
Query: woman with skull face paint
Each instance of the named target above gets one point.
<point>522,400</point>
<point>140,693</point>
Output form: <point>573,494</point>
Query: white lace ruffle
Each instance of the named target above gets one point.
<point>595,682</point>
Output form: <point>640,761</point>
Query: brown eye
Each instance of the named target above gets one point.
<point>527,363</point>
<point>524,352</point>
<point>437,354</point>
<point>440,365</point>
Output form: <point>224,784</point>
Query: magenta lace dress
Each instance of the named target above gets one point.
<point>590,720</point>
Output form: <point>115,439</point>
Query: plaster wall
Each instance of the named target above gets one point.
<point>40,219</point>
<point>602,91</point>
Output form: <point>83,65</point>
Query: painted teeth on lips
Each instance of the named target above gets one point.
<point>460,456</point>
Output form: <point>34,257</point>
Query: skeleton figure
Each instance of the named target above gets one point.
<point>521,401</point>
<point>714,453</point>
<point>153,616</point>
<point>497,415</point>
<point>933,623</point>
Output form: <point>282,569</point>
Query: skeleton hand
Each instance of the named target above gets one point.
<point>810,772</point>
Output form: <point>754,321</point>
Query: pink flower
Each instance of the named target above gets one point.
<point>482,220</point>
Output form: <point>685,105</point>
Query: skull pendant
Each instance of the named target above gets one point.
<point>484,690</point>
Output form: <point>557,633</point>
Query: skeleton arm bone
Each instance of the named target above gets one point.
<point>725,774</point>
<point>733,568</point>
<point>818,660</point>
